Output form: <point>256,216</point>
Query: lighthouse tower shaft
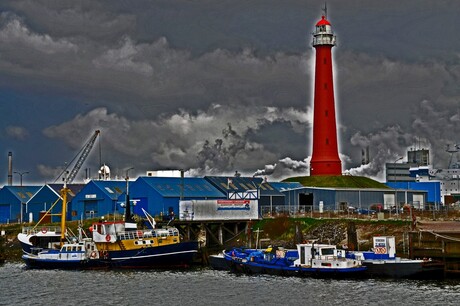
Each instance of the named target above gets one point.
<point>325,157</point>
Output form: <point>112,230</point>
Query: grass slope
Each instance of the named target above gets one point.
<point>340,181</point>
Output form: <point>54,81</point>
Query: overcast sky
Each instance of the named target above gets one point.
<point>218,86</point>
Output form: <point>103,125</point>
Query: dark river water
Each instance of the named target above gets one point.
<point>204,286</point>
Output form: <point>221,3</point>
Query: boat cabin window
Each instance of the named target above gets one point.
<point>328,251</point>
<point>100,228</point>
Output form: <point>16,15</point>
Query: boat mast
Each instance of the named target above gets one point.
<point>64,191</point>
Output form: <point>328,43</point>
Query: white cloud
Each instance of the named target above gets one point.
<point>15,32</point>
<point>124,59</point>
<point>17,132</point>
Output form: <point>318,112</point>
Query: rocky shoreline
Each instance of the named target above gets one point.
<point>10,249</point>
<point>349,233</point>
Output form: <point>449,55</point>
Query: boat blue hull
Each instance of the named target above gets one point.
<point>413,270</point>
<point>218,262</point>
<point>384,266</point>
<point>284,267</point>
<point>178,255</point>
<point>26,248</point>
<point>168,256</point>
<point>257,268</point>
<point>39,263</point>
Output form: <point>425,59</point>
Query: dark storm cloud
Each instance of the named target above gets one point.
<point>199,142</point>
<point>218,86</point>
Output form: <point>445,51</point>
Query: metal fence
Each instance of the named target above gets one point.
<point>431,213</point>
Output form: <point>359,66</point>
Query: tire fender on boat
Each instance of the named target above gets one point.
<point>108,238</point>
<point>44,230</point>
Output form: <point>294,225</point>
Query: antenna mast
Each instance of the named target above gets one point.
<point>324,9</point>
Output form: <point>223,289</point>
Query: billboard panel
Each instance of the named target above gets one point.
<point>205,210</point>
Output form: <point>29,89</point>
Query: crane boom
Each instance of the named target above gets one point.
<point>85,152</point>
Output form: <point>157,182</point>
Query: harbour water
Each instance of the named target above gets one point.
<point>204,286</point>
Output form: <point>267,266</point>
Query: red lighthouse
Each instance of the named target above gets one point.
<point>325,157</point>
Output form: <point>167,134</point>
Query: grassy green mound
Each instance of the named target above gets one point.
<point>340,181</point>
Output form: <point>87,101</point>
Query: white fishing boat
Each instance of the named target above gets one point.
<point>39,237</point>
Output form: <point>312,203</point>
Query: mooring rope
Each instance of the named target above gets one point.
<point>441,236</point>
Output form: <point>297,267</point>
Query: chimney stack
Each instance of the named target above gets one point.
<point>10,169</point>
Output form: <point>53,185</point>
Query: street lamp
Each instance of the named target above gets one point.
<point>396,191</point>
<point>21,174</point>
<point>128,217</point>
<point>23,205</point>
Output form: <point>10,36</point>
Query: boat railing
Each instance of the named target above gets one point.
<point>32,230</point>
<point>130,235</point>
<point>136,234</point>
<point>173,232</point>
<point>139,234</point>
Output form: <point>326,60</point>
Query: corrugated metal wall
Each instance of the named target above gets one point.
<point>332,198</point>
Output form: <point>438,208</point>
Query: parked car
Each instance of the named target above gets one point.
<point>364,211</point>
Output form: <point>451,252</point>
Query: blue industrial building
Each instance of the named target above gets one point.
<point>48,196</point>
<point>341,199</point>
<point>14,201</point>
<point>161,195</point>
<point>433,189</point>
<point>98,198</point>
<point>269,195</point>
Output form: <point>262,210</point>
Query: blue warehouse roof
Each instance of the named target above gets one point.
<point>193,187</point>
<point>241,184</point>
<point>73,189</point>
<point>282,186</point>
<point>112,189</point>
<point>22,193</point>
